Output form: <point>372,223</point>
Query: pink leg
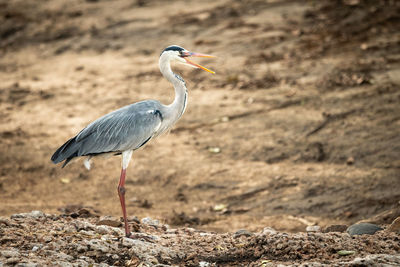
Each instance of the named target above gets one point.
<point>121,194</point>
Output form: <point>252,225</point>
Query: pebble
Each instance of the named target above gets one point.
<point>363,228</point>
<point>269,230</point>
<point>33,214</point>
<point>96,244</point>
<point>26,264</point>
<point>395,226</point>
<point>242,232</point>
<point>84,225</point>
<point>81,263</point>
<point>129,242</point>
<point>345,252</point>
<point>313,229</point>
<point>102,229</point>
<point>9,253</point>
<point>335,228</point>
<point>109,221</point>
<point>12,260</point>
<point>81,248</point>
<point>63,256</point>
<point>150,221</point>
<point>62,264</point>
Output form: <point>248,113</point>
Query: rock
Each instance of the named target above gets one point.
<point>81,248</point>
<point>9,253</point>
<point>12,261</point>
<point>84,225</point>
<point>150,221</point>
<point>242,232</point>
<point>395,226</point>
<point>33,214</point>
<point>5,221</point>
<point>47,239</point>
<point>345,252</point>
<point>26,264</point>
<point>102,229</point>
<point>129,242</point>
<point>313,229</point>
<point>63,256</point>
<point>376,260</point>
<point>62,264</point>
<point>269,230</point>
<point>350,161</point>
<point>110,221</point>
<point>335,228</point>
<point>363,228</point>
<point>96,244</point>
<point>81,263</point>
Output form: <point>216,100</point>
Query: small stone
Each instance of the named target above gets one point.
<point>62,264</point>
<point>102,229</point>
<point>363,228</point>
<point>35,248</point>
<point>364,46</point>
<point>395,226</point>
<point>335,228</point>
<point>9,253</point>
<point>150,221</point>
<point>110,221</point>
<point>81,263</point>
<point>242,232</point>
<point>350,161</point>
<point>128,242</point>
<point>215,150</point>
<point>11,261</point>
<point>96,244</point>
<point>33,214</point>
<point>204,264</point>
<point>345,252</point>
<point>83,225</point>
<point>81,248</point>
<point>4,221</point>
<point>47,239</point>
<point>219,207</point>
<point>26,264</point>
<point>313,229</point>
<point>63,256</point>
<point>269,230</point>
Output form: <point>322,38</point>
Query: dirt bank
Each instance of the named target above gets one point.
<point>298,127</point>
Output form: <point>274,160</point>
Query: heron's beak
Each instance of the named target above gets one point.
<point>187,54</point>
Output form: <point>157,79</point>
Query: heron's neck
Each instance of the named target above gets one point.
<point>177,107</point>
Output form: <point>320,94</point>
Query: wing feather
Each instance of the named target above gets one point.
<point>127,128</point>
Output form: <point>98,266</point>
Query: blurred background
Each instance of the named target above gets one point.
<point>299,125</point>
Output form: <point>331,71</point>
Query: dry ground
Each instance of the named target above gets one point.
<point>304,109</point>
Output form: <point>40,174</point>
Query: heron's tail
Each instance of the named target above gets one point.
<point>66,152</point>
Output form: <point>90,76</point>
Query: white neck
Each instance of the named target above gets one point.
<point>177,107</point>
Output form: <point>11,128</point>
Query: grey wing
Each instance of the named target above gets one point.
<point>125,129</point>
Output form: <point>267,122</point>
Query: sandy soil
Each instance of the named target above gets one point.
<point>303,111</point>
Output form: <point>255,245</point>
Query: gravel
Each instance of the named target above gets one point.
<point>38,239</point>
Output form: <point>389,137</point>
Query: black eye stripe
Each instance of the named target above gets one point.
<point>173,48</point>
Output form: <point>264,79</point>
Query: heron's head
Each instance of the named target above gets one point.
<point>181,55</point>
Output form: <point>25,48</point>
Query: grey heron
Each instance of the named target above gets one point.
<point>124,130</point>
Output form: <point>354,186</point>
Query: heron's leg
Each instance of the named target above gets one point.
<point>121,194</point>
